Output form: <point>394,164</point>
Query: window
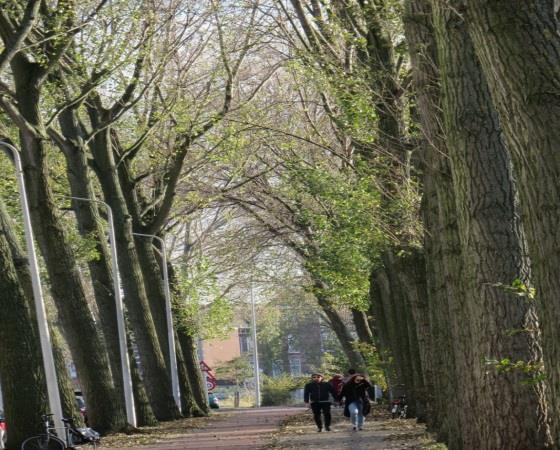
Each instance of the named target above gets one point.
<point>244,340</point>
<point>295,366</point>
<point>292,344</point>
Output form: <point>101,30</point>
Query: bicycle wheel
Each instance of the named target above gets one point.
<point>43,442</point>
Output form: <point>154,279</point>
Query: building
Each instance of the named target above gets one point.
<point>215,352</point>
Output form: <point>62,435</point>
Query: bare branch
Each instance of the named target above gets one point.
<point>14,42</point>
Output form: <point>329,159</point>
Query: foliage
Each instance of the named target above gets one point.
<point>286,322</point>
<point>277,391</point>
<point>518,288</point>
<point>533,370</point>
<point>340,210</point>
<point>202,310</point>
<point>332,364</point>
<point>374,365</point>
<point>236,370</point>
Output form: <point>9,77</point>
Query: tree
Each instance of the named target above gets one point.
<point>511,43</point>
<point>237,370</point>
<point>23,379</point>
<point>492,243</point>
<point>30,72</point>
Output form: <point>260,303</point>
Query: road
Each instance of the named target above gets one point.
<point>240,429</point>
<point>379,433</point>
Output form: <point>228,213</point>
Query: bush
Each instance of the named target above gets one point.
<point>277,391</point>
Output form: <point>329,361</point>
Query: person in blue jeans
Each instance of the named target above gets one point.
<point>356,400</point>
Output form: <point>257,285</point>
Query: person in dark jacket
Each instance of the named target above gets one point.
<point>316,394</point>
<point>356,400</point>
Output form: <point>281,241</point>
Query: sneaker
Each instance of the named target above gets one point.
<point>319,430</point>
<point>354,428</point>
<point>360,428</point>
<point>327,428</point>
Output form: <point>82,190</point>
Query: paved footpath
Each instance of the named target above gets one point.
<point>241,429</point>
<point>379,433</point>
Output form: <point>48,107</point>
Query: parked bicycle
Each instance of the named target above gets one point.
<point>74,437</point>
<point>399,408</point>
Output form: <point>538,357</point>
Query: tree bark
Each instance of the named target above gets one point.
<point>21,368</point>
<point>65,386</point>
<point>412,276</point>
<point>519,50</point>
<point>196,395</point>
<point>21,264</point>
<point>193,370</point>
<point>194,392</point>
<point>440,239</point>
<point>492,246</point>
<point>340,329</point>
<point>379,325</point>
<point>404,341</point>
<point>153,282</point>
<point>156,377</point>
<point>86,345</point>
<point>144,413</point>
<point>88,219</point>
<point>362,326</point>
<point>390,320</point>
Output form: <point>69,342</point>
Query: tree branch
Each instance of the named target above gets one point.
<point>14,42</point>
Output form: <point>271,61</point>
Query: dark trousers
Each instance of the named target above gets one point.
<point>317,408</point>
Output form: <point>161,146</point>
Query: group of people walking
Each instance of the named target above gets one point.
<point>319,394</point>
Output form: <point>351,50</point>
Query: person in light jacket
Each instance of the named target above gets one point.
<point>316,394</point>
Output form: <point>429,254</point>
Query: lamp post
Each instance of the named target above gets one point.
<point>123,348</point>
<point>44,335</point>
<point>169,320</point>
<point>255,351</point>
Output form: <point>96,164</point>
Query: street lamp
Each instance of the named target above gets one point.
<point>169,319</point>
<point>125,363</point>
<point>255,351</point>
<point>40,311</point>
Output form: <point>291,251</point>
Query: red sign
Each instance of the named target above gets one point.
<point>211,383</point>
<point>204,367</point>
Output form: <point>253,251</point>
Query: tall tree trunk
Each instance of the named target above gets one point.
<point>144,413</point>
<point>65,386</point>
<point>193,389</point>
<point>492,245</point>
<point>390,320</point>
<point>441,241</point>
<point>21,263</point>
<point>189,406</point>
<point>519,49</point>
<point>404,342</point>
<point>362,326</point>
<point>196,394</point>
<point>380,325</point>
<point>156,377</point>
<point>445,379</point>
<point>340,329</point>
<point>412,276</point>
<point>89,226</point>
<point>21,365</point>
<point>192,363</point>
<point>153,282</point>
<point>88,219</point>
<point>86,345</point>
